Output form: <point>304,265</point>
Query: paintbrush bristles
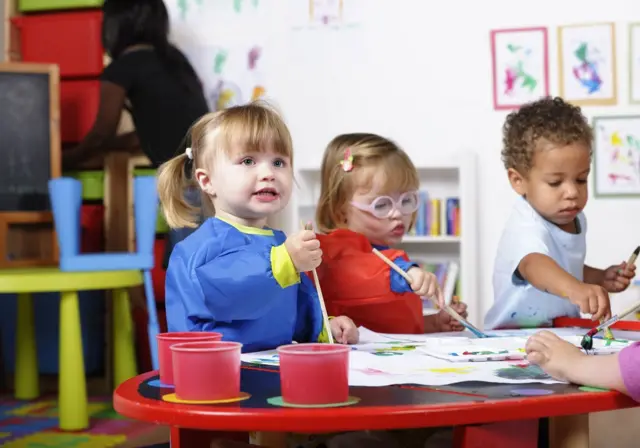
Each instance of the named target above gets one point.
<point>634,256</point>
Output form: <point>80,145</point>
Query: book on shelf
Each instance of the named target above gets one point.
<point>448,275</point>
<point>429,215</point>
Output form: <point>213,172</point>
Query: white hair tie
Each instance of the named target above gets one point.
<point>189,153</point>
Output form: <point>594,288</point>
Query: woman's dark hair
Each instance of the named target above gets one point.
<point>144,22</point>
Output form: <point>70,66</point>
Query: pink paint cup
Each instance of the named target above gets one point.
<point>314,373</point>
<point>166,340</point>
<point>208,370</point>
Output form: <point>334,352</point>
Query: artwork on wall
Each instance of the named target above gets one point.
<point>520,66</point>
<point>237,77</point>
<point>587,64</point>
<point>634,63</point>
<point>616,156</point>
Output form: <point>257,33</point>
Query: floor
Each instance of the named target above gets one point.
<point>34,425</point>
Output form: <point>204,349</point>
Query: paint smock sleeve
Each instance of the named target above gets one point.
<point>355,271</point>
<point>229,279</point>
<point>523,240</point>
<point>357,284</point>
<point>629,362</point>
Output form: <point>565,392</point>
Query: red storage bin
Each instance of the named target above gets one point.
<point>92,228</point>
<point>158,274</point>
<point>79,101</point>
<point>70,39</point>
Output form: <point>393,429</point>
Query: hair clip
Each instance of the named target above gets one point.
<point>347,162</point>
<point>189,153</point>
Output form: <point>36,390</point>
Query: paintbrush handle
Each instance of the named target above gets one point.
<point>406,276</point>
<point>323,307</point>
<point>618,316</point>
<point>392,265</point>
<point>325,315</point>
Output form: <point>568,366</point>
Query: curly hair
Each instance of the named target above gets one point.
<point>550,120</point>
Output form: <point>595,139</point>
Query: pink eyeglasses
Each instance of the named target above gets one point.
<point>383,206</point>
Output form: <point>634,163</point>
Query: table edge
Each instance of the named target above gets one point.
<point>360,418</point>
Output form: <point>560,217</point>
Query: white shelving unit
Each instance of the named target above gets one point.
<point>452,175</point>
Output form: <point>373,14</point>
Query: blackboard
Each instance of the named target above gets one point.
<point>29,135</point>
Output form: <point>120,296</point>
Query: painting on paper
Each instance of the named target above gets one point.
<point>232,75</point>
<point>616,156</point>
<point>382,360</point>
<point>520,66</point>
<point>501,348</point>
<point>587,64</point>
<point>634,63</point>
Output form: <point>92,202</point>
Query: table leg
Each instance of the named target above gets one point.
<point>72,384</point>
<point>569,431</point>
<point>124,358</point>
<point>520,433</point>
<point>26,372</point>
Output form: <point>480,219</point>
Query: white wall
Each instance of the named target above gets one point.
<point>419,73</point>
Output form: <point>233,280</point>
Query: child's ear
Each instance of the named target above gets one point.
<point>204,181</point>
<point>517,181</point>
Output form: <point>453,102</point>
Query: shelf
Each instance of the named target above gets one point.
<point>412,239</point>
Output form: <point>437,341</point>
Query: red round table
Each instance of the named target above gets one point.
<point>479,411</point>
<point>392,407</point>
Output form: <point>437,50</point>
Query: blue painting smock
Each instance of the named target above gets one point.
<point>240,281</point>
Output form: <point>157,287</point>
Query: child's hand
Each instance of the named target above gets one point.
<point>425,284</point>
<point>445,323</point>
<point>304,250</point>
<point>553,354</point>
<point>344,331</point>
<point>618,277</point>
<point>592,299</point>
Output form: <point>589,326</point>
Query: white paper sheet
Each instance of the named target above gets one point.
<point>383,360</point>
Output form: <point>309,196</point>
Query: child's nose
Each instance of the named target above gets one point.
<point>266,172</point>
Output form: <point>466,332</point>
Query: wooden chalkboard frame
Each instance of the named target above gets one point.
<point>41,248</point>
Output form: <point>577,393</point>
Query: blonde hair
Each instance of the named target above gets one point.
<point>253,127</point>
<point>370,152</point>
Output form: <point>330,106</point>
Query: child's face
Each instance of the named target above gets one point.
<point>250,186</point>
<point>556,185</point>
<point>384,231</point>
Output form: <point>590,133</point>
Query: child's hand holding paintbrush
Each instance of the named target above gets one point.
<point>618,277</point>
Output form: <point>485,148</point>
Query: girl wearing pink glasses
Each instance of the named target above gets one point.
<point>369,200</point>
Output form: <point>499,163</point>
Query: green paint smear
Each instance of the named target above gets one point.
<point>522,372</point>
<point>592,389</point>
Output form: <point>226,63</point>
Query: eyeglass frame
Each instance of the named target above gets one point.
<point>395,205</point>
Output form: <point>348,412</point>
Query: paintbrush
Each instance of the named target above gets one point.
<point>316,280</point>
<point>476,331</point>
<point>632,259</point>
<point>587,340</point>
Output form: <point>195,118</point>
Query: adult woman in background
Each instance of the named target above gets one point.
<point>163,92</point>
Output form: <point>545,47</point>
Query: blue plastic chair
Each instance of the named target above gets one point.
<point>66,201</point>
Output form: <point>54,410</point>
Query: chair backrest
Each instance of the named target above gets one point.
<point>66,201</point>
<point>145,209</point>
<point>65,194</point>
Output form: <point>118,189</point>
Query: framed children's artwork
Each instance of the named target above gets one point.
<point>616,156</point>
<point>634,63</point>
<point>520,66</point>
<point>587,64</point>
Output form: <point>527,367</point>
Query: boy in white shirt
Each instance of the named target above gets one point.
<point>539,271</point>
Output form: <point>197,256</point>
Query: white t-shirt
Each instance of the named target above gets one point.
<point>518,304</point>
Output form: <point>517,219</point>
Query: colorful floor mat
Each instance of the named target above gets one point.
<point>34,424</point>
